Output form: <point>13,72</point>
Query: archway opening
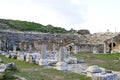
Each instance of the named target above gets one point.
<point>70,48</point>
<point>110,46</point>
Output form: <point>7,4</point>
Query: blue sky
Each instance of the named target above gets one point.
<point>94,15</point>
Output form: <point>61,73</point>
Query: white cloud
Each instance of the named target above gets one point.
<point>76,2</point>
<point>94,15</point>
<point>58,13</point>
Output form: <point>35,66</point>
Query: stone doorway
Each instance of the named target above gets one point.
<point>70,48</point>
<point>111,46</point>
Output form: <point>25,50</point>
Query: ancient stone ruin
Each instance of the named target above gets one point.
<point>53,50</point>
<point>96,43</point>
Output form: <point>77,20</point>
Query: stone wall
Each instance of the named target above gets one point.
<point>113,44</point>
<point>24,39</point>
<point>2,42</point>
<point>90,47</point>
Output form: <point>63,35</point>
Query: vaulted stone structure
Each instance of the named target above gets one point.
<point>113,44</point>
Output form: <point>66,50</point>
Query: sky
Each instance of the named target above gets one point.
<point>94,15</point>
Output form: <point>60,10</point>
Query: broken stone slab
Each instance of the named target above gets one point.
<point>3,53</point>
<point>118,74</point>
<point>71,60</point>
<point>78,68</point>
<point>11,66</point>
<point>80,60</point>
<point>63,66</point>
<point>43,62</point>
<point>18,77</point>
<point>93,70</point>
<point>20,57</point>
<point>2,68</point>
<point>104,76</point>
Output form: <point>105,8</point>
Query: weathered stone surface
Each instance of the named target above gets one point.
<point>71,60</point>
<point>43,60</point>
<point>11,66</point>
<point>17,77</point>
<point>61,64</point>
<point>105,76</point>
<point>22,40</point>
<point>93,70</point>
<point>2,68</point>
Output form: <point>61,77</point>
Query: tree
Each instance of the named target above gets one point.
<point>73,31</point>
<point>83,31</point>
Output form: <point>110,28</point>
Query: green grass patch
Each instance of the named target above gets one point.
<point>31,26</point>
<point>108,61</point>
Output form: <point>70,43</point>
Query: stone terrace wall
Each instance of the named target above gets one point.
<point>15,37</point>
<point>96,38</point>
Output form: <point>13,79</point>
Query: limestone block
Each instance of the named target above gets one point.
<point>93,70</point>
<point>71,60</point>
<point>2,68</point>
<point>11,66</point>
<point>61,66</point>
<point>106,76</point>
<point>43,62</point>
<point>27,58</point>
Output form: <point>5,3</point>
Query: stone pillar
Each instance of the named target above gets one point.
<point>14,48</point>
<point>27,57</point>
<point>112,45</point>
<point>54,49</point>
<point>24,47</point>
<point>43,61</point>
<point>43,51</point>
<point>61,65</point>
<point>61,55</point>
<point>75,49</point>
<point>95,50</point>
<point>30,59</point>
<point>105,47</point>
<point>30,48</point>
<point>0,45</point>
<point>38,47</point>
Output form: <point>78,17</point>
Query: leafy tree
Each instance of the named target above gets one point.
<point>83,31</point>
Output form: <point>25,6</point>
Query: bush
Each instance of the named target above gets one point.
<point>83,32</point>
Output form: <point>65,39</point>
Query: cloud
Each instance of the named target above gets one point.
<point>60,13</point>
<point>64,10</point>
<point>76,2</point>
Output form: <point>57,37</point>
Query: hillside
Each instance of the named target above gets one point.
<point>30,26</point>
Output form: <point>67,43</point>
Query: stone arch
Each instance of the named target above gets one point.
<point>70,47</point>
<point>110,46</point>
